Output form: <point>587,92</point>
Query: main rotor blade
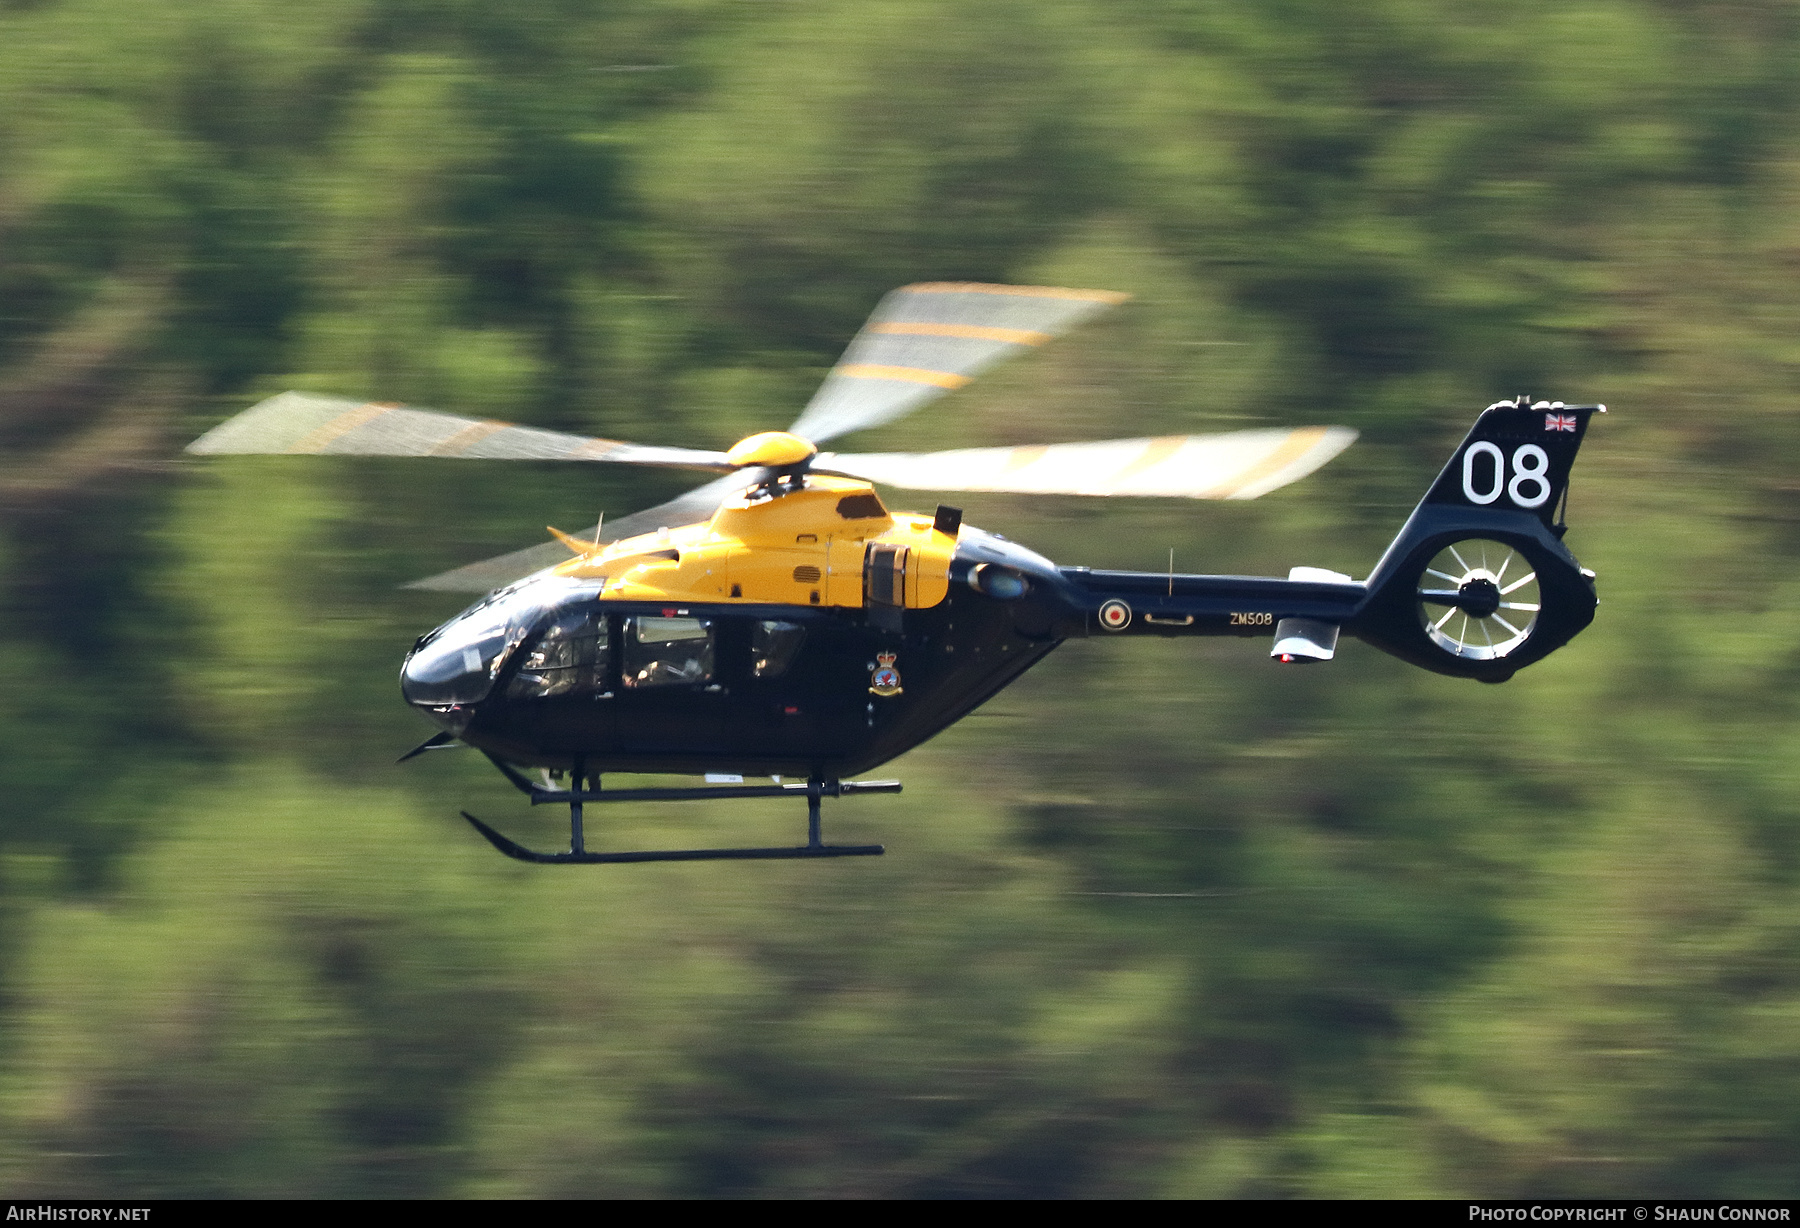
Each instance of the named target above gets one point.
<point>490,574</point>
<point>696,505</point>
<point>924,340</point>
<point>305,422</point>
<point>1239,465</point>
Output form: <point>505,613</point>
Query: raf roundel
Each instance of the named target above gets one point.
<point>1115,616</point>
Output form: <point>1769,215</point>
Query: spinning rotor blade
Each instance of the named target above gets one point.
<point>925,340</point>
<point>490,574</point>
<point>696,505</point>
<point>1240,465</point>
<point>306,422</point>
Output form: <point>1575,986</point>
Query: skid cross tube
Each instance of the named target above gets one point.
<point>584,788</point>
<point>827,788</point>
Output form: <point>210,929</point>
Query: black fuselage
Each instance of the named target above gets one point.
<point>550,671</point>
<point>820,716</point>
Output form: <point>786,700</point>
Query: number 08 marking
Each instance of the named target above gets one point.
<point>1531,470</point>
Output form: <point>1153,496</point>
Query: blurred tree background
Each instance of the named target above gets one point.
<point>1164,919</point>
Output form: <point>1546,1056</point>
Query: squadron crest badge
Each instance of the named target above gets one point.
<point>885,680</point>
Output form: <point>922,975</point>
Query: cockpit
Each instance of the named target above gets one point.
<point>457,664</point>
<point>569,645</point>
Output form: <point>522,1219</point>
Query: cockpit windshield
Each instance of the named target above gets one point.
<point>457,663</point>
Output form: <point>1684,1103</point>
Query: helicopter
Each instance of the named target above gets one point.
<point>782,621</point>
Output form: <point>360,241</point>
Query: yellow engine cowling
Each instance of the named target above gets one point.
<point>806,546</point>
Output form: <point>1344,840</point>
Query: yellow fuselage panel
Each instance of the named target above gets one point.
<point>805,547</point>
<point>825,507</point>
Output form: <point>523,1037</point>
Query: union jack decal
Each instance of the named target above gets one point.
<point>1559,422</point>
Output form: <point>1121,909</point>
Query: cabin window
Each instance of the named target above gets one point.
<point>667,651</point>
<point>773,646</point>
<point>572,655</point>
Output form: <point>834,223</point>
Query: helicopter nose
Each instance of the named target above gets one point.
<point>450,671</point>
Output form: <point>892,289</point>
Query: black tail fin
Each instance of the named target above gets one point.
<point>1517,456</point>
<point>1478,583</point>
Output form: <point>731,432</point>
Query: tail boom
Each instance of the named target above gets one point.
<point>1477,584</point>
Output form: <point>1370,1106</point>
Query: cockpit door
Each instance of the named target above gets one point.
<point>560,693</point>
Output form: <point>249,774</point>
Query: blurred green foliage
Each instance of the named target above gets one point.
<point>1164,919</point>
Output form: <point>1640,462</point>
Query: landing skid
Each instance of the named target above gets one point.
<point>575,798</point>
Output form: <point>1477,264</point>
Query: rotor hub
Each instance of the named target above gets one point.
<point>1480,596</point>
<point>772,449</point>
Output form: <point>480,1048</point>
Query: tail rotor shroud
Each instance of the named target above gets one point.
<point>1479,599</point>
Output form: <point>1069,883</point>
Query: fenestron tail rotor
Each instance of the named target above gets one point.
<point>1478,599</point>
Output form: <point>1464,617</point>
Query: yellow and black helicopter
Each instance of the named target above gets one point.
<point>782,621</point>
